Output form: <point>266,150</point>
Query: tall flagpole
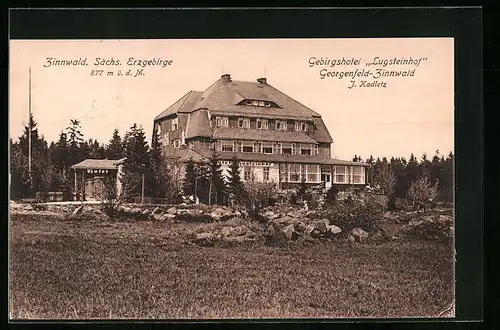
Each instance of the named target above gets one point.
<point>29,135</point>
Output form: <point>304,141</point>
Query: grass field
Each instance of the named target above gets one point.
<point>90,269</point>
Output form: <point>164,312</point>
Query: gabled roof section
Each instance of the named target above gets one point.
<point>185,104</point>
<point>321,133</point>
<point>225,96</point>
<point>198,124</point>
<point>261,135</point>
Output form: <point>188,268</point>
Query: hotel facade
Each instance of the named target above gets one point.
<point>274,137</point>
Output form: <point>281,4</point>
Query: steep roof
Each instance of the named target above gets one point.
<point>104,164</point>
<point>198,124</point>
<point>321,133</point>
<point>185,104</point>
<point>262,135</point>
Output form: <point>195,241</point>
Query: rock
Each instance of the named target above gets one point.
<point>221,214</point>
<point>359,234</point>
<point>204,239</point>
<point>78,210</point>
<point>270,215</point>
<point>290,232</point>
<point>320,225</point>
<point>445,219</point>
<point>299,214</point>
<point>158,217</point>
<point>172,210</point>
<point>333,229</point>
<point>136,211</point>
<point>167,216</point>
<point>309,229</point>
<point>156,210</point>
<point>240,231</point>
<point>428,218</point>
<point>300,227</point>
<point>28,207</point>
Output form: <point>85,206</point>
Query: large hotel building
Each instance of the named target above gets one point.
<point>275,137</point>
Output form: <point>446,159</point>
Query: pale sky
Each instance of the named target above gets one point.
<point>411,114</point>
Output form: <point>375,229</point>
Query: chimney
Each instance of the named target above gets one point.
<point>226,77</point>
<point>262,80</point>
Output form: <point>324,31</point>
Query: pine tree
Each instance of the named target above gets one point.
<point>217,191</point>
<point>114,149</point>
<point>159,179</point>
<point>190,179</point>
<point>235,185</point>
<point>137,162</point>
<point>77,151</point>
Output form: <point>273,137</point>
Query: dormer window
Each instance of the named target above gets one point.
<point>258,103</point>
<point>281,125</point>
<point>175,124</point>
<point>244,122</point>
<point>262,124</point>
<point>221,122</point>
<point>301,126</point>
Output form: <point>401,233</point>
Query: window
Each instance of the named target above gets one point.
<point>286,148</point>
<point>244,122</point>
<point>247,146</point>
<point>261,103</point>
<point>158,129</point>
<point>340,174</point>
<point>265,174</point>
<point>175,124</point>
<point>227,145</point>
<point>267,104</point>
<point>303,127</point>
<point>283,173</point>
<point>247,173</point>
<point>306,149</point>
<point>358,174</point>
<point>255,103</point>
<point>176,143</point>
<point>281,125</point>
<point>294,172</point>
<point>294,148</point>
<point>249,102</point>
<point>257,147</point>
<point>221,122</point>
<point>267,147</point>
<point>279,148</point>
<point>316,150</point>
<point>191,145</point>
<point>262,124</point>
<point>313,173</point>
<point>297,125</point>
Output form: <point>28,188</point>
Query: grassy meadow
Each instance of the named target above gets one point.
<point>71,269</point>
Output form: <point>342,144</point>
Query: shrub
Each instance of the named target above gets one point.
<point>331,195</point>
<point>422,193</point>
<point>256,196</point>
<point>431,230</point>
<point>353,213</point>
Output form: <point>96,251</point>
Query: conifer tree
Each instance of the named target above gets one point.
<point>235,185</point>
<point>190,179</point>
<point>114,149</point>
<point>217,191</point>
<point>136,164</point>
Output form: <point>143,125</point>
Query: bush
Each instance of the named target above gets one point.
<point>256,196</point>
<point>431,230</point>
<point>331,195</point>
<point>353,213</point>
<point>422,193</point>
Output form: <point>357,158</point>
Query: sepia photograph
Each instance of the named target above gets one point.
<point>201,179</point>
